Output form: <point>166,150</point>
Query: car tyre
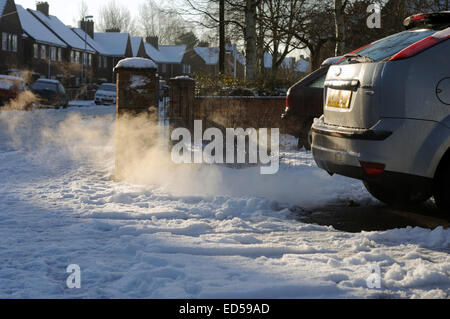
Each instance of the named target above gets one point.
<point>308,142</point>
<point>394,196</point>
<point>300,143</point>
<point>441,189</point>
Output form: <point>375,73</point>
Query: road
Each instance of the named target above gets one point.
<point>353,217</point>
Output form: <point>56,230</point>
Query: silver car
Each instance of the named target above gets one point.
<point>387,115</point>
<point>106,94</point>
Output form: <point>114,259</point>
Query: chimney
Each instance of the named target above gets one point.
<point>42,7</point>
<point>153,41</point>
<point>113,30</point>
<point>87,26</point>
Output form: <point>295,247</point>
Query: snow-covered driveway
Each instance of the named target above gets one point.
<point>210,232</point>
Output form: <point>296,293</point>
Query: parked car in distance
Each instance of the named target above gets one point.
<point>10,88</point>
<point>50,92</point>
<point>304,102</point>
<point>387,115</point>
<point>106,94</point>
<point>28,76</point>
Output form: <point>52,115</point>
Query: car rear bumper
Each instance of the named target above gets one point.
<point>364,134</point>
<point>335,163</point>
<point>342,150</point>
<point>103,100</point>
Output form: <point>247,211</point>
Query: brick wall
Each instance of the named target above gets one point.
<point>244,112</point>
<point>223,112</point>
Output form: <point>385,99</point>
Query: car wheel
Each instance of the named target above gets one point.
<point>395,196</point>
<point>300,143</point>
<point>441,189</point>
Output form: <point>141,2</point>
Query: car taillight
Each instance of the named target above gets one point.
<point>419,17</point>
<point>288,102</point>
<point>356,51</point>
<point>373,169</point>
<point>422,45</point>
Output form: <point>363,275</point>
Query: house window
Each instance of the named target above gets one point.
<point>53,53</point>
<point>9,42</point>
<point>4,41</point>
<point>105,62</point>
<point>163,68</point>
<point>99,61</point>
<point>72,56</point>
<point>35,51</point>
<point>186,68</point>
<point>90,59</point>
<point>77,57</point>
<point>59,54</point>
<point>43,52</point>
<point>14,43</point>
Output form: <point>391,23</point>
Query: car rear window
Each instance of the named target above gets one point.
<point>107,87</point>
<point>6,84</point>
<point>38,85</point>
<point>318,83</point>
<point>387,47</point>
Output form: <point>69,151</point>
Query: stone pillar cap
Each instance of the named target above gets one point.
<point>182,78</point>
<point>135,63</point>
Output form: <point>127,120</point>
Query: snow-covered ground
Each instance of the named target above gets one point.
<point>195,232</point>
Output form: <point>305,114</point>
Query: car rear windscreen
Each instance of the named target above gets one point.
<point>107,87</point>
<point>41,86</point>
<point>6,84</point>
<point>387,47</point>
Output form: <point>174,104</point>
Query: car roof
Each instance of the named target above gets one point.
<point>48,81</point>
<point>331,60</point>
<point>10,77</point>
<point>432,18</point>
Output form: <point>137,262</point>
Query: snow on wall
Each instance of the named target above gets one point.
<point>136,63</point>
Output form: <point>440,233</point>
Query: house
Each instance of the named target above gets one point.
<point>37,41</point>
<point>11,51</point>
<point>78,54</point>
<point>206,60</point>
<point>137,47</point>
<point>288,67</point>
<point>170,59</point>
<point>100,60</point>
<point>110,47</point>
<point>116,46</point>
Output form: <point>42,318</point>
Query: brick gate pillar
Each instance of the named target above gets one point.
<point>181,108</point>
<point>136,86</point>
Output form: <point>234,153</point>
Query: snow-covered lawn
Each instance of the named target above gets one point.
<point>211,232</point>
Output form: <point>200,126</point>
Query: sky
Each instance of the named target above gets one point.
<point>66,11</point>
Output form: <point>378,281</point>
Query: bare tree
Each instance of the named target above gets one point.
<point>250,39</point>
<point>339,21</point>
<point>165,23</point>
<point>114,16</point>
<point>83,11</point>
<point>277,19</point>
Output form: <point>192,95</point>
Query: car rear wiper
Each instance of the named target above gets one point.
<point>355,57</point>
